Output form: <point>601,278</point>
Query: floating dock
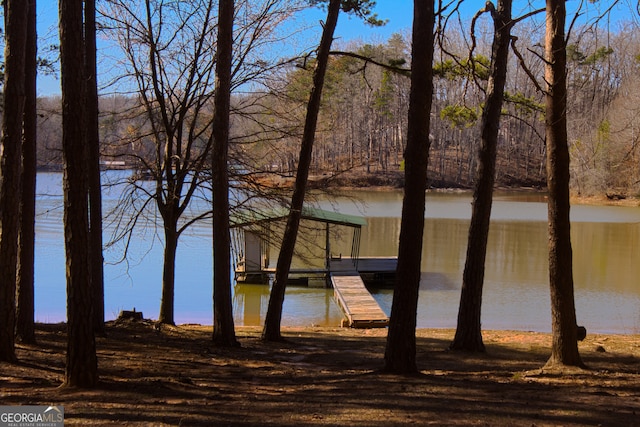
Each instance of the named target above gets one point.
<point>377,272</point>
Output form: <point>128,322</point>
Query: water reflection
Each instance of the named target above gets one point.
<point>250,303</point>
<point>606,265</point>
<point>302,306</point>
<point>606,268</point>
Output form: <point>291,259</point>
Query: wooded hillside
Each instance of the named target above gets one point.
<point>362,126</point>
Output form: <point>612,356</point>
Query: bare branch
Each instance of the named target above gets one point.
<point>523,65</point>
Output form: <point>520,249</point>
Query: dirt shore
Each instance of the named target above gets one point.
<point>326,376</point>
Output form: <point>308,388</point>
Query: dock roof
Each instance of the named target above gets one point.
<point>245,218</point>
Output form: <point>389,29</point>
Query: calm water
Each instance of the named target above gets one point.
<point>606,265</point>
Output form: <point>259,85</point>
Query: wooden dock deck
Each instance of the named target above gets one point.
<point>364,265</point>
<point>359,306</point>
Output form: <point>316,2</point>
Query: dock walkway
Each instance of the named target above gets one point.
<point>358,305</point>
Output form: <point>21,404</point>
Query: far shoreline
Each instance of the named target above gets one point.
<point>594,200</point>
<point>394,183</point>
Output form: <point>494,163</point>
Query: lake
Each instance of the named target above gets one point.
<point>516,294</point>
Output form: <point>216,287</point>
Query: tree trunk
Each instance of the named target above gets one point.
<point>468,335</point>
<point>81,361</point>
<point>25,330</point>
<point>10,165</point>
<point>271,330</point>
<point>400,351</point>
<point>564,349</point>
<point>93,162</point>
<point>168,272</point>
<point>223,326</point>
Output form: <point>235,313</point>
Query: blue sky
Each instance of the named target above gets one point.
<point>398,14</point>
<point>47,16</point>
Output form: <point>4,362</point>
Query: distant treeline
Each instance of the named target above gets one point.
<point>362,127</point>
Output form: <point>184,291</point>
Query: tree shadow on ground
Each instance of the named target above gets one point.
<point>320,376</point>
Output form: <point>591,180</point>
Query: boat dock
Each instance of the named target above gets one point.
<point>377,272</point>
<point>347,275</point>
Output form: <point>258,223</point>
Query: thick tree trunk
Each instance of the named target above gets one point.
<point>468,335</point>
<point>564,349</point>
<point>400,352</point>
<point>223,325</point>
<point>10,165</point>
<point>25,328</point>
<point>273,318</point>
<point>81,361</point>
<point>168,272</point>
<point>93,147</point>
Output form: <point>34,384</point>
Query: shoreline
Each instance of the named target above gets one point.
<point>253,329</point>
<point>575,199</point>
<point>394,182</point>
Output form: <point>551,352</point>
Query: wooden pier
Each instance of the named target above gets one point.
<point>360,308</point>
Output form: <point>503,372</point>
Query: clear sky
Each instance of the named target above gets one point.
<point>398,14</point>
<point>47,16</point>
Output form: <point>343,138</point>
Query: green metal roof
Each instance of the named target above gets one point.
<point>244,218</point>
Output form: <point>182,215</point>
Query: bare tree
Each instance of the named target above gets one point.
<point>400,351</point>
<point>169,49</point>
<point>597,79</point>
<point>81,361</point>
<point>171,54</point>
<point>15,12</point>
